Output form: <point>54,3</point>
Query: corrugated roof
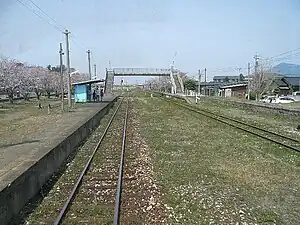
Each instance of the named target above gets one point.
<point>223,77</point>
<point>233,85</point>
<point>89,82</point>
<point>294,81</point>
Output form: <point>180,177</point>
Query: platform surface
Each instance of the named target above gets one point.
<point>16,154</point>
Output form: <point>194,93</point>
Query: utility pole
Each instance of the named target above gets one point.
<point>256,63</point>
<point>248,81</point>
<point>95,71</point>
<point>68,68</point>
<point>61,76</point>
<point>257,79</point>
<point>109,65</point>
<point>199,80</point>
<point>89,61</point>
<point>205,81</point>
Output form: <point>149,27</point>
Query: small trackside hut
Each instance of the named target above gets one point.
<point>234,90</point>
<point>83,91</point>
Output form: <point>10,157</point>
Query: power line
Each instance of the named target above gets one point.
<point>282,58</point>
<point>77,43</point>
<point>286,55</point>
<point>30,9</point>
<point>47,14</point>
<point>53,25</point>
<point>72,35</point>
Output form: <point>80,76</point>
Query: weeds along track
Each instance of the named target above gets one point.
<point>282,140</point>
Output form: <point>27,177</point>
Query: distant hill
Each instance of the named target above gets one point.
<point>287,69</point>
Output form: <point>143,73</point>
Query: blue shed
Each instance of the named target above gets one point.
<point>82,90</point>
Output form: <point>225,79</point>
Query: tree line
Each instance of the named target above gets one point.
<point>259,82</point>
<point>19,78</point>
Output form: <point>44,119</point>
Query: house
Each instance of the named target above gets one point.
<point>282,85</point>
<point>208,88</point>
<point>234,90</point>
<point>228,79</point>
<point>293,82</point>
<point>278,85</point>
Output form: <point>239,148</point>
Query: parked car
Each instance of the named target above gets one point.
<point>268,99</point>
<point>296,96</point>
<point>284,99</point>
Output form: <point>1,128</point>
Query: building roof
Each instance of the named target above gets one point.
<point>223,77</point>
<point>284,88</point>
<point>210,83</point>
<point>234,85</point>
<point>213,83</point>
<point>279,81</point>
<point>89,82</point>
<point>294,81</point>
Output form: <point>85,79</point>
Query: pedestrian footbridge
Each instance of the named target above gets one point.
<point>176,81</point>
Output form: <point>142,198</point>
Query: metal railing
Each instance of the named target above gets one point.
<point>134,71</point>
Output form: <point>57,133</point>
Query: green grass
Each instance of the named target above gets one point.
<point>295,105</point>
<point>278,123</point>
<point>213,174</point>
<point>22,120</point>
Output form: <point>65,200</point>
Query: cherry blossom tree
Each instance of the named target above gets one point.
<point>35,75</point>
<point>25,84</point>
<point>17,77</point>
<point>11,74</point>
<point>161,84</point>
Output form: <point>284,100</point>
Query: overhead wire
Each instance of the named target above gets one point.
<point>273,59</point>
<point>55,24</point>
<point>228,69</point>
<point>34,12</point>
<point>47,14</point>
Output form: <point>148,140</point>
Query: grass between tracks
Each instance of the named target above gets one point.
<point>283,124</point>
<point>214,174</point>
<point>47,208</point>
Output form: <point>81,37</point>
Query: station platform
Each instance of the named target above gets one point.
<point>16,158</point>
<point>34,143</point>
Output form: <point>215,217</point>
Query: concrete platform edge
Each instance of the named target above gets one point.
<point>27,184</point>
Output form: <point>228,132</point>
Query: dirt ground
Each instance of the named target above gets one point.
<point>21,122</point>
<point>25,129</point>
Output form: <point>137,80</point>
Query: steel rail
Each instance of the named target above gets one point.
<point>250,125</point>
<point>117,208</point>
<point>199,111</point>
<point>67,204</point>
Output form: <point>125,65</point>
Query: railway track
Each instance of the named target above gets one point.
<point>99,186</point>
<point>287,142</point>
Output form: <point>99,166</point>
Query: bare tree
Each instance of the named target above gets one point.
<point>259,81</point>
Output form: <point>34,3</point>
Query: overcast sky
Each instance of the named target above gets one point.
<point>146,33</point>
